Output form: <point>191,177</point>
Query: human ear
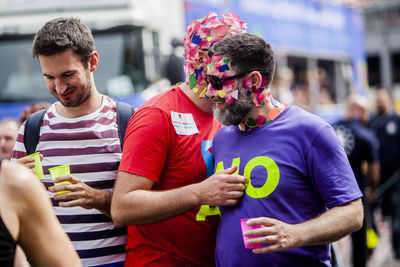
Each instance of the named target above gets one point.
<point>256,78</point>
<point>93,61</point>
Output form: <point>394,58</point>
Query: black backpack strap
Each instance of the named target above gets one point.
<point>32,130</point>
<point>124,114</point>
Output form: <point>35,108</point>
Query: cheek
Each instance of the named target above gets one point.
<point>211,91</point>
<point>75,79</point>
<point>51,85</point>
<point>10,144</point>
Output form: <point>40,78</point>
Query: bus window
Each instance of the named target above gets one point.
<point>21,78</point>
<point>395,58</point>
<point>374,70</point>
<point>120,73</point>
<point>312,82</point>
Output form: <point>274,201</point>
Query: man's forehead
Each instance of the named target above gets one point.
<point>219,64</point>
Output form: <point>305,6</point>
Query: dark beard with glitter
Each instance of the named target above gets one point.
<point>235,113</point>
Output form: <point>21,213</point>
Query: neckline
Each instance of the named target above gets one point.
<point>268,124</point>
<point>187,98</point>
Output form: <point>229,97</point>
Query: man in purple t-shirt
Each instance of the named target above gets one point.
<point>302,191</point>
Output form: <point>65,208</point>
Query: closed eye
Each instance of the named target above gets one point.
<point>67,74</point>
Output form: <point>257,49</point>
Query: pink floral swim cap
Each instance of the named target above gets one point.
<point>198,39</point>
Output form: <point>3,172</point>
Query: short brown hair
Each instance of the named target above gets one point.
<point>61,34</point>
<point>247,52</point>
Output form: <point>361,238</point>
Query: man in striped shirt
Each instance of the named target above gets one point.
<point>80,130</point>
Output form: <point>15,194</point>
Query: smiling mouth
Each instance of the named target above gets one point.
<point>219,102</point>
<point>67,94</point>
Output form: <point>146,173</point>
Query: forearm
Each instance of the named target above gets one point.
<point>373,177</point>
<point>103,203</point>
<point>146,206</point>
<point>134,201</point>
<point>331,225</point>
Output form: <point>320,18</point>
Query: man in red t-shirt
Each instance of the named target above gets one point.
<point>167,157</point>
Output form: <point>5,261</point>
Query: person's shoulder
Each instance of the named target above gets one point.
<point>17,178</point>
<point>224,131</point>
<point>300,118</point>
<point>171,99</point>
<point>164,98</point>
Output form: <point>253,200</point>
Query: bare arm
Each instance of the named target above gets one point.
<point>373,170</point>
<point>20,258</point>
<point>326,228</point>
<point>39,232</point>
<point>134,202</point>
<point>373,180</point>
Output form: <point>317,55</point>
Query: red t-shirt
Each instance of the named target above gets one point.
<point>168,140</point>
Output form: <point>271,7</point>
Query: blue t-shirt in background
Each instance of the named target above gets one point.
<point>298,169</point>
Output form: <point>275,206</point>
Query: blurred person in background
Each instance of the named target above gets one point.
<point>26,219</point>
<point>81,130</point>
<point>386,124</point>
<point>32,108</point>
<point>174,65</point>
<point>167,157</point>
<point>8,135</point>
<point>283,81</point>
<point>361,146</point>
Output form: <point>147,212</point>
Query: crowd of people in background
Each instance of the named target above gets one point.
<point>157,198</point>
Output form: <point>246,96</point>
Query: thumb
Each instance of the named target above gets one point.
<point>231,170</point>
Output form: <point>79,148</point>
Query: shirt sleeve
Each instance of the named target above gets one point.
<point>330,170</point>
<point>147,142</point>
<point>19,146</point>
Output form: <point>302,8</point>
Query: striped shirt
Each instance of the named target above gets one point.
<point>91,146</point>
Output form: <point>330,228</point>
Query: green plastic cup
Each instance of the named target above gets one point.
<point>58,171</point>
<point>38,165</point>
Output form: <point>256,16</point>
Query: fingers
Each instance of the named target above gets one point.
<point>230,170</point>
<point>262,231</point>
<point>74,184</point>
<point>67,178</point>
<point>267,249</point>
<point>232,198</point>
<point>230,178</point>
<point>28,162</point>
<point>273,234</point>
<point>66,187</point>
<point>30,165</point>
<point>74,193</point>
<point>228,186</point>
<point>68,195</point>
<point>265,221</point>
<point>72,203</point>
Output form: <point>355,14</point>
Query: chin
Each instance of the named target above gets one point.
<point>224,117</point>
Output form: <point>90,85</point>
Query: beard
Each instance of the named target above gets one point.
<point>79,100</point>
<point>235,113</point>
<point>82,94</point>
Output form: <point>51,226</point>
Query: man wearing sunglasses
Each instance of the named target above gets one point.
<point>302,193</point>
<point>167,156</point>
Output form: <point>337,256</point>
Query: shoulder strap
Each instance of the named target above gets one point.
<point>124,114</point>
<point>32,130</point>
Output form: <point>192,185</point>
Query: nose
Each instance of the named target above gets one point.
<point>61,85</point>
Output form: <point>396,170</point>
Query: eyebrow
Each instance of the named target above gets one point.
<point>62,74</point>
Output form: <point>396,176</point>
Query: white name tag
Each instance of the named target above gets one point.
<point>184,123</point>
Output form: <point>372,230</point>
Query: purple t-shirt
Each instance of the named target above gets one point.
<point>298,169</point>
